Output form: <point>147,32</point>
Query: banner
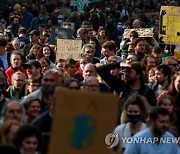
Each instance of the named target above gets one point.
<point>81,122</point>
<point>68,48</point>
<point>142,32</point>
<point>170,24</point>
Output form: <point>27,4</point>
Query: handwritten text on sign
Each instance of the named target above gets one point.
<point>170,24</point>
<point>68,48</point>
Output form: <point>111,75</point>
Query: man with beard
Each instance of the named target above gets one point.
<point>140,48</point>
<point>162,79</point>
<point>133,83</point>
<point>49,79</point>
<point>160,140</point>
<point>15,24</point>
<point>33,69</point>
<point>18,79</point>
<point>34,36</point>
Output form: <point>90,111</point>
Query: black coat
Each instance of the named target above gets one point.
<point>120,86</point>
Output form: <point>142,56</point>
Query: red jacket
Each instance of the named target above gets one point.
<point>10,71</point>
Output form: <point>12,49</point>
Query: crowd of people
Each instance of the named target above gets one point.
<point>141,71</point>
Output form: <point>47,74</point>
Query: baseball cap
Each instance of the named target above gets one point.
<point>32,63</point>
<point>34,32</point>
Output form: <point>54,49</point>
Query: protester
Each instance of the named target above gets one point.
<point>12,110</point>
<point>104,28</point>
<point>159,124</point>
<point>135,114</point>
<point>9,129</point>
<point>133,83</point>
<point>16,65</point>
<point>32,107</point>
<point>91,84</point>
<point>29,140</point>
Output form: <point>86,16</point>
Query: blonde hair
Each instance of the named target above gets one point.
<point>141,102</point>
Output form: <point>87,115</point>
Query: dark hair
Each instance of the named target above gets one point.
<point>134,34</point>
<point>144,61</point>
<point>27,131</point>
<point>96,41</point>
<point>137,67</point>
<point>165,69</point>
<point>44,60</point>
<point>69,62</point>
<point>138,40</point>
<point>69,81</point>
<point>125,18</point>
<point>157,50</point>
<point>8,149</point>
<point>110,45</point>
<point>52,56</point>
<point>28,102</point>
<point>22,30</point>
<point>156,111</point>
<point>171,89</point>
<point>3,42</point>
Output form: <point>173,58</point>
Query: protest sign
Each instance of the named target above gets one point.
<point>170,24</point>
<point>142,32</point>
<point>60,33</point>
<point>68,48</point>
<point>81,122</point>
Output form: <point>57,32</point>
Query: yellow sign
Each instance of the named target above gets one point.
<point>81,122</point>
<point>68,48</point>
<point>170,24</point>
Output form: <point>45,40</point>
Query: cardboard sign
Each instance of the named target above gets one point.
<point>81,122</point>
<point>68,48</point>
<point>170,24</point>
<point>143,32</point>
<point>60,33</point>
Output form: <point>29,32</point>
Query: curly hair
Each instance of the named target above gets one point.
<point>141,102</point>
<point>52,57</point>
<point>27,131</point>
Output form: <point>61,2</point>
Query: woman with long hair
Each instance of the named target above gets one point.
<point>135,114</point>
<point>48,52</point>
